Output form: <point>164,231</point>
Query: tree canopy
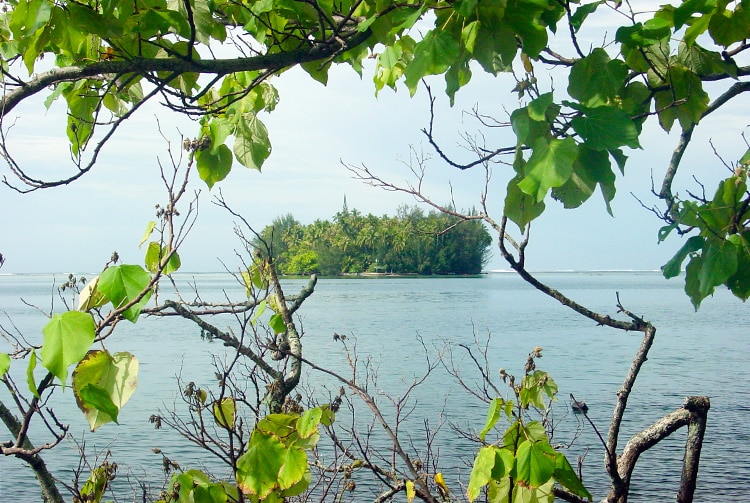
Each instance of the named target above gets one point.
<point>412,242</point>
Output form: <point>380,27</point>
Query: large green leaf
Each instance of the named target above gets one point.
<point>67,338</point>
<point>727,27</point>
<point>434,54</point>
<point>122,285</point>
<point>535,462</point>
<point>566,476</point>
<point>252,145</point>
<point>495,46</point>
<point>521,207</point>
<point>481,472</point>
<point>307,425</point>
<point>685,100</point>
<point>606,128</point>
<point>103,383</point>
<point>596,79</point>
<point>719,264</point>
<point>214,167</point>
<point>550,165</point>
<point>269,465</point>
<point>525,20</point>
<point>592,168</point>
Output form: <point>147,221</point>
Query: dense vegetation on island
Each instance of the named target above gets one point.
<point>412,242</point>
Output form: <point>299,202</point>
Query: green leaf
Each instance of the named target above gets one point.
<point>582,12</point>
<point>252,145</point>
<point>719,264</point>
<point>727,27</point>
<point>276,323</point>
<point>535,462</point>
<point>4,363</point>
<point>596,79</point>
<point>67,338</point>
<point>702,62</point>
<point>495,46</point>
<point>538,107</point>
<point>640,35</point>
<point>283,426</point>
<point>739,282</point>
<point>224,412</point>
<point>525,20</point>
<point>521,207</point>
<point>307,425</point>
<point>566,476</point>
<point>692,281</point>
<point>685,101</point>
<point>493,414</point>
<point>526,129</point>
<point>606,128</point>
<point>103,384</point>
<point>550,165</point>
<point>592,168</point>
<point>213,168</point>
<point>122,285</point>
<point>317,71</point>
<point>93,489</point>
<point>219,129</point>
<point>481,472</point>
<point>269,465</point>
<point>433,55</point>
<point>674,266</point>
<point>155,254</point>
<point>30,381</point>
<point>258,311</point>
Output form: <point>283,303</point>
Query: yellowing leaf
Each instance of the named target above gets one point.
<point>410,491</point>
<point>90,297</point>
<point>149,229</point>
<point>224,412</point>
<point>103,383</point>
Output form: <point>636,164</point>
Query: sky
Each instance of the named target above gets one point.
<point>313,130</point>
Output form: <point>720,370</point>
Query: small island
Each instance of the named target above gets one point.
<point>412,242</point>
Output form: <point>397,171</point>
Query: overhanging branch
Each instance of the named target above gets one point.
<point>277,61</point>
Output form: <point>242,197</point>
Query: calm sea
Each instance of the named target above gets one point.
<point>397,323</point>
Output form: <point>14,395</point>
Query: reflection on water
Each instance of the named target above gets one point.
<point>694,353</point>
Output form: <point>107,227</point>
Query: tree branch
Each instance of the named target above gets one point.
<point>143,66</point>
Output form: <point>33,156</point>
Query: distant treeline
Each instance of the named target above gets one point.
<point>412,242</point>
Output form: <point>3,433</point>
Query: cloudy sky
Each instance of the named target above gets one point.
<point>313,129</point>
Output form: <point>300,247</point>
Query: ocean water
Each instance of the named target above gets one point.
<point>397,324</point>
